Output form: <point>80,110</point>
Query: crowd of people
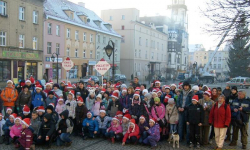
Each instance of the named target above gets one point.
<point>36,114</point>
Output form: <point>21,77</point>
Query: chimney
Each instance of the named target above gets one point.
<point>81,4</point>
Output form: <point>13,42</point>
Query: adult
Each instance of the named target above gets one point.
<point>24,98</point>
<point>241,107</point>
<point>136,82</point>
<point>184,100</point>
<point>9,96</point>
<point>220,117</point>
<point>214,97</point>
<point>62,85</point>
<point>83,91</point>
<point>45,77</point>
<point>227,92</point>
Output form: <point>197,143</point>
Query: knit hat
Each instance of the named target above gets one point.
<point>51,93</point>
<point>170,101</point>
<point>18,118</point>
<point>115,95</point>
<point>123,86</point>
<point>127,116</point>
<point>157,99</point>
<point>137,89</point>
<point>60,99</point>
<point>195,98</point>
<point>9,81</point>
<point>153,120</point>
<point>26,122</point>
<point>208,93</point>
<point>99,96</point>
<point>80,100</point>
<point>39,87</point>
<point>234,88</point>
<point>145,91</point>
<point>195,88</point>
<point>119,113</point>
<point>40,109</point>
<point>142,117</point>
<point>56,85</point>
<point>103,90</point>
<point>132,121</point>
<point>8,108</point>
<point>50,107</point>
<point>14,115</point>
<point>102,111</point>
<point>137,93</point>
<point>26,109</point>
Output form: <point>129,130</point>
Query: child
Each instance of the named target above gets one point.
<point>168,91</point>
<point>172,116</point>
<point>15,131</point>
<point>153,134</point>
<point>90,99</point>
<point>35,124</point>
<point>106,99</point>
<point>195,119</point>
<point>60,106</point>
<point>145,109</point>
<point>71,105</point>
<point>119,115</point>
<point>8,113</point>
<point>114,105</point>
<point>26,112</point>
<point>52,113</point>
<point>178,92</point>
<point>2,122</point>
<point>124,99</point>
<point>50,99</point>
<point>134,108</point>
<point>115,130</point>
<point>90,126</point>
<point>7,127</point>
<point>143,133</point>
<point>97,105</point>
<point>81,113</point>
<point>125,123</point>
<point>38,97</point>
<point>26,139</point>
<point>158,113</point>
<point>41,111</point>
<point>132,135</point>
<point>65,128</point>
<point>48,88</point>
<point>46,131</point>
<point>103,122</point>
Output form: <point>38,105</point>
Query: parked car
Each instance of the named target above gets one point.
<point>241,82</point>
<point>192,80</point>
<point>86,79</point>
<point>119,77</point>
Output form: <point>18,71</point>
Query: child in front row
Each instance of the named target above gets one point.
<point>81,113</point>
<point>132,135</point>
<point>125,123</point>
<point>90,126</point>
<point>35,124</point>
<point>153,133</point>
<point>2,122</point>
<point>15,131</point>
<point>7,127</point>
<point>26,139</point>
<point>143,133</point>
<point>115,130</point>
<point>103,122</point>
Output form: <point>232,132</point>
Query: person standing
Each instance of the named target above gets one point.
<point>84,92</point>
<point>45,77</point>
<point>220,117</point>
<point>24,98</point>
<point>136,82</point>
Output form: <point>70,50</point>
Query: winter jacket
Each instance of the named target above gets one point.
<point>158,111</point>
<point>126,101</point>
<point>54,117</point>
<point>114,107</point>
<point>227,93</point>
<point>60,108</point>
<point>103,122</point>
<point>26,139</point>
<point>38,99</point>
<point>96,108</point>
<point>35,125</point>
<point>46,92</point>
<point>93,124</point>
<point>135,110</point>
<point>172,114</point>
<point>15,131</point>
<point>200,94</point>
<point>81,113</point>
<point>145,110</point>
<point>47,128</point>
<point>84,93</point>
<point>50,100</point>
<point>220,117</point>
<point>65,125</point>
<point>7,125</point>
<point>232,97</point>
<point>58,92</point>
<point>71,107</point>
<point>116,128</point>
<point>90,102</point>
<point>2,123</point>
<point>188,101</point>
<point>106,102</point>
<point>125,127</point>
<point>142,126</point>
<point>132,132</point>
<point>245,104</point>
<point>9,93</point>
<point>23,99</point>
<point>25,116</point>
<point>154,132</point>
<point>209,104</point>
<point>195,114</point>
<point>31,88</point>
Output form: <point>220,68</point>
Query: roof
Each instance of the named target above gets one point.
<point>54,9</point>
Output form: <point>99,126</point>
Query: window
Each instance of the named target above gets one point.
<point>146,54</point>
<point>135,53</point>
<point>169,58</point>
<point>157,56</point>
<point>35,17</point>
<point>152,55</point>
<point>76,35</point>
<point>21,41</point>
<point>157,45</point>
<point>219,59</point>
<point>139,53</point>
<point>5,71</point>
<point>58,30</point>
<point>84,36</point>
<point>98,39</point>
<point>68,33</point>
<point>21,13</point>
<point>123,17</point>
<point>58,48</point>
<point>215,58</point>
<point>162,47</point>
<point>35,43</point>
<point>49,28</point>
<point>49,47</point>
<point>84,54</point>
<point>146,42</point>
<point>110,17</point>
<point>3,8</point>
<point>139,40</point>
<point>205,57</point>
<point>2,38</point>
<point>123,27</point>
<point>91,37</point>
<point>161,57</point>
<point>123,39</point>
<point>97,55</point>
<point>91,54</point>
<point>115,57</point>
<point>67,51</point>
<point>76,53</point>
<point>219,66</point>
<point>135,67</point>
<point>214,66</point>
<point>104,40</point>
<point>139,67</point>
<point>73,72</point>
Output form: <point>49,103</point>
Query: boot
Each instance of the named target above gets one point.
<point>233,144</point>
<point>198,146</point>
<point>191,145</point>
<point>7,142</point>
<point>113,140</point>
<point>244,147</point>
<point>228,139</point>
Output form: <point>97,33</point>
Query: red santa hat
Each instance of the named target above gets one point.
<point>28,81</point>
<point>173,85</point>
<point>32,80</point>
<point>116,90</point>
<point>73,95</point>
<point>124,90</point>
<point>132,122</point>
<point>116,118</point>
<point>96,87</point>
<point>125,111</point>
<point>26,122</point>
<point>39,87</point>
<point>103,90</point>
<point>63,82</point>
<point>40,109</point>
<point>69,86</point>
<point>14,115</point>
<point>9,81</point>
<point>52,104</point>
<point>26,109</point>
<point>74,85</point>
<point>118,84</point>
<point>208,93</point>
<point>102,111</point>
<point>137,89</point>
<point>80,100</point>
<point>119,113</point>
<point>51,81</point>
<point>89,113</point>
<point>9,108</point>
<point>137,93</point>
<point>48,84</point>
<point>112,85</point>
<point>157,81</point>
<point>18,118</point>
<point>195,98</point>
<point>127,116</point>
<point>180,85</point>
<point>167,87</point>
<point>60,99</point>
<point>142,117</point>
<point>167,98</point>
<point>115,95</point>
<point>153,120</point>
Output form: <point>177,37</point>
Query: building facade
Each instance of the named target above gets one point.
<point>21,39</point>
<point>143,48</point>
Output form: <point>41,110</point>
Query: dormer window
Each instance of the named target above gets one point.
<point>108,26</point>
<point>97,22</point>
<point>82,16</point>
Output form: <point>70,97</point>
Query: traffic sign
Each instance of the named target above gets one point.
<point>102,67</point>
<point>67,64</point>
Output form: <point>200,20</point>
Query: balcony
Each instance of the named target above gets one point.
<point>20,53</point>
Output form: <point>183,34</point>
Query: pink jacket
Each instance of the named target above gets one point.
<point>115,128</point>
<point>15,131</point>
<point>160,111</point>
<point>60,108</point>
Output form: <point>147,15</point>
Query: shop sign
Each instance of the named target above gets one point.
<point>102,67</point>
<point>47,65</point>
<point>67,64</point>
<point>10,54</point>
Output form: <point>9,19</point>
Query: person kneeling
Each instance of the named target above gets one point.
<point>103,122</point>
<point>26,139</point>
<point>90,126</point>
<point>154,133</point>
<point>115,130</point>
<point>132,135</point>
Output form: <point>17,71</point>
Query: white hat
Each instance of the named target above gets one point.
<point>145,91</point>
<point>103,111</point>
<point>9,81</point>
<point>195,88</point>
<point>99,95</point>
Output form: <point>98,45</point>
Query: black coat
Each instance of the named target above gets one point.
<point>227,93</point>
<point>84,93</point>
<point>195,114</point>
<point>47,128</point>
<point>81,113</point>
<point>143,110</point>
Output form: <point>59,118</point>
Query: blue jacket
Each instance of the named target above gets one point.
<point>7,125</point>
<point>188,100</point>
<point>103,124</point>
<point>38,99</point>
<point>155,132</point>
<point>245,104</point>
<point>48,100</point>
<point>93,124</point>
<point>126,101</point>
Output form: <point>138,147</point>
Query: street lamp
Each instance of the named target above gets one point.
<point>148,73</point>
<point>194,66</point>
<point>109,50</point>
<point>53,60</point>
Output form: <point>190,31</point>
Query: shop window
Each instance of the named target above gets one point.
<point>55,71</point>
<point>31,69</point>
<point>5,71</point>
<point>72,74</point>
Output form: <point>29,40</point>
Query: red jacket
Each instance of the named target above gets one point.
<point>220,117</point>
<point>26,138</point>
<point>130,133</point>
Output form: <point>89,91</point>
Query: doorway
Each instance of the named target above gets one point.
<point>20,73</point>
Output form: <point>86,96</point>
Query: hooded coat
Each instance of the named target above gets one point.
<point>132,132</point>
<point>38,99</point>
<point>15,131</point>
<point>154,132</point>
<point>65,125</point>
<point>81,113</point>
<point>35,125</point>
<point>71,106</point>
<point>26,139</point>
<point>93,124</point>
<point>47,128</point>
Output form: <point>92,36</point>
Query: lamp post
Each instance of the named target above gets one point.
<point>109,50</point>
<point>53,60</point>
<point>149,73</point>
<point>194,66</point>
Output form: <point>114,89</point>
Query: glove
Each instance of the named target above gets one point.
<point>68,104</point>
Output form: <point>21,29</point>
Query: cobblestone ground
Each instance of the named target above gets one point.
<point>101,144</point>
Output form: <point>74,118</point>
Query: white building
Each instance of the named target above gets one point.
<point>196,47</point>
